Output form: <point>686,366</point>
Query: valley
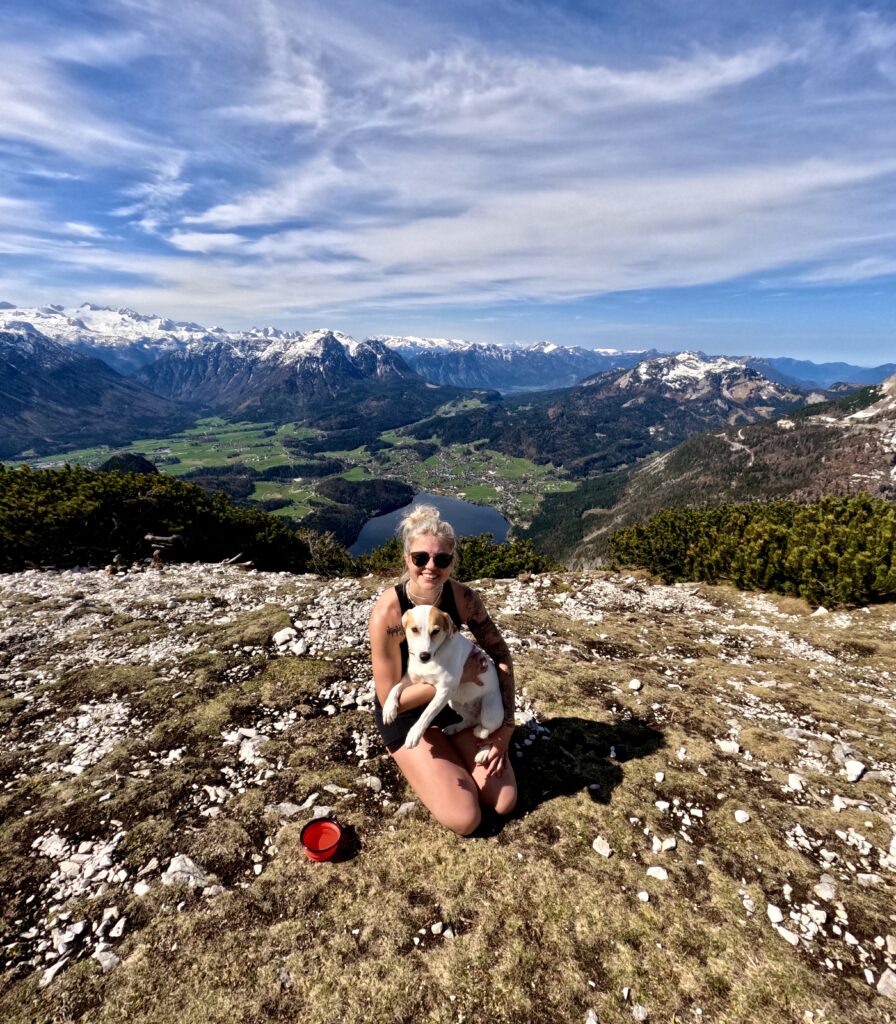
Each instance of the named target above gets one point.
<point>285,420</point>
<point>473,472</point>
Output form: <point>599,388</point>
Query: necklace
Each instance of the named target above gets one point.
<point>415,600</point>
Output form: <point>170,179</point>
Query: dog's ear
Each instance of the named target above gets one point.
<point>406,619</point>
<point>443,621</point>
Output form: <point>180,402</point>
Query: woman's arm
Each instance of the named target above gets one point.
<point>386,635</point>
<point>489,638</point>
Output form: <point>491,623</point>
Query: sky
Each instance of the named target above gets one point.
<point>685,174</point>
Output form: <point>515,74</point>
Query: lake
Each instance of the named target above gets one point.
<point>468,520</point>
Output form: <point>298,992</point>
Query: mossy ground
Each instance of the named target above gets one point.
<point>544,928</point>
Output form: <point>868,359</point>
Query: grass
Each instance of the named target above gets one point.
<point>544,928</point>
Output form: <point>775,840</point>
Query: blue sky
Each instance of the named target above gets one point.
<point>609,174</point>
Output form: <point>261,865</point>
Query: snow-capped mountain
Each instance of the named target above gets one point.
<point>694,378</point>
<point>55,398</point>
<point>283,377</point>
<point>121,338</point>
<point>321,376</point>
<point>514,367</point>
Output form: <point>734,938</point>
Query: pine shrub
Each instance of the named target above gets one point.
<point>837,551</point>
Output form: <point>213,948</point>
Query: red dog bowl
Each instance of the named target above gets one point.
<point>320,838</point>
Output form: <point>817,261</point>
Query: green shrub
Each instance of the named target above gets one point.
<point>75,516</point>
<point>835,551</point>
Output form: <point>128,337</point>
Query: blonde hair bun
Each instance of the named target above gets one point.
<point>423,519</point>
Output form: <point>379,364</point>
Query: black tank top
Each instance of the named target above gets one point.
<point>446,603</point>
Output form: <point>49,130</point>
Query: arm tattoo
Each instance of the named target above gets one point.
<point>489,638</point>
<point>394,630</point>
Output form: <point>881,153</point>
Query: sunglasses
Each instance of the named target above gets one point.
<point>441,560</point>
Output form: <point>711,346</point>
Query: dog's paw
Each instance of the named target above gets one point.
<point>413,738</point>
<point>480,732</point>
<point>452,730</point>
<point>482,756</point>
<point>390,711</point>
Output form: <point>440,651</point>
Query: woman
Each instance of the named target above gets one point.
<point>441,769</point>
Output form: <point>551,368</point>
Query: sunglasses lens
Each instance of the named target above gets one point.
<point>441,560</point>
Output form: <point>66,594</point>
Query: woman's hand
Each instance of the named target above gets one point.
<point>474,667</point>
<point>497,745</point>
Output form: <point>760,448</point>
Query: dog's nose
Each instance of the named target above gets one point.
<point>425,656</point>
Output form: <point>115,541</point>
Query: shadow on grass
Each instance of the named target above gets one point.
<point>577,754</point>
<point>349,846</point>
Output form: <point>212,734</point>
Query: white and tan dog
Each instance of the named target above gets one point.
<point>438,654</point>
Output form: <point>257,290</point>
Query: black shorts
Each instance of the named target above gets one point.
<point>394,734</point>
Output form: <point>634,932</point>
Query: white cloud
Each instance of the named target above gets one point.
<point>207,242</point>
<point>84,230</point>
<point>852,271</point>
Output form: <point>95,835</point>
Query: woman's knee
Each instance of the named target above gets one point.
<point>502,800</point>
<point>460,819</point>
<point>506,801</point>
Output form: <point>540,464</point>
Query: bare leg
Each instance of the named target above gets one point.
<point>498,791</point>
<point>438,776</point>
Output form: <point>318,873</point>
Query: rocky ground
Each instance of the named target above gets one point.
<point>705,831</point>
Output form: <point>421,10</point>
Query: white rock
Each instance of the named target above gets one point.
<point>601,846</point>
<point>591,1017</point>
<point>634,685</point>
<point>657,872</point>
<point>299,647</point>
<point>321,811</point>
<point>669,844</point>
<point>660,776</point>
<point>640,1013</point>
<point>283,636</point>
<point>775,914</point>
<point>437,928</point>
<point>118,930</point>
<point>886,984</point>
<point>854,770</point>
<point>184,870</point>
<point>868,879</point>
<point>141,888</point>
<point>839,803</point>
<point>644,896</point>
<point>741,817</point>
<point>662,805</point>
<point>728,746</point>
<point>787,935</point>
<point>372,782</point>
<point>820,610</point>
<point>406,809</point>
<point>795,782</point>
<point>107,960</point>
<point>335,790</point>
<point>51,972</point>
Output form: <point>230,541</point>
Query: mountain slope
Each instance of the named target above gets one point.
<point>615,418</point>
<point>54,399</point>
<point>505,368</point>
<point>806,374</point>
<point>844,447</point>
<point>321,377</point>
